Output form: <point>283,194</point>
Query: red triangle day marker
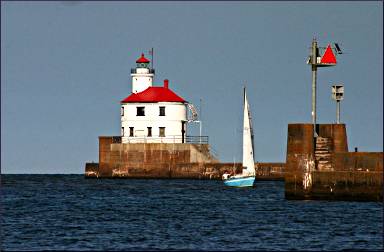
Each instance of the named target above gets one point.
<point>328,57</point>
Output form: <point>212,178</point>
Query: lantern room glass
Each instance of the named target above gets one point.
<point>142,65</point>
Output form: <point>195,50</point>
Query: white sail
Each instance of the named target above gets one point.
<point>248,175</point>
<point>248,160</point>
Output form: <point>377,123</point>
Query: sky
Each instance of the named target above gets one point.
<point>65,67</point>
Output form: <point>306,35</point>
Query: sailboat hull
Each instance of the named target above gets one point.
<point>240,182</point>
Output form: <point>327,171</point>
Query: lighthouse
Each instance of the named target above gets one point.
<point>152,114</point>
<point>153,142</point>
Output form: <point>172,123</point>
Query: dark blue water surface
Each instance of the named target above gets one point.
<point>68,212</point>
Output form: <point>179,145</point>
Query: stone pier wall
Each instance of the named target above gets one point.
<point>330,172</point>
<point>157,160</point>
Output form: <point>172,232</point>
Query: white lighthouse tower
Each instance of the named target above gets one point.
<point>152,114</point>
<point>142,75</point>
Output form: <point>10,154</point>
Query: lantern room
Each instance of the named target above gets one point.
<point>142,62</point>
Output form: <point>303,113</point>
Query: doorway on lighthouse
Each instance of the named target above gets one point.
<point>183,123</point>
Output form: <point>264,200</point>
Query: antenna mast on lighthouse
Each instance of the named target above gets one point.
<point>151,53</point>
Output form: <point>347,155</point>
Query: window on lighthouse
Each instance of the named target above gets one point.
<point>149,131</point>
<point>131,131</point>
<point>140,111</point>
<point>161,111</point>
<point>161,131</point>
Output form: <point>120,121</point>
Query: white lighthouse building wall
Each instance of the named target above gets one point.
<point>175,115</point>
<point>141,79</point>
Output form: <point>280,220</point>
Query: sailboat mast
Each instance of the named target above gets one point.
<point>252,136</point>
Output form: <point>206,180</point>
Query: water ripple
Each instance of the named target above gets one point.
<point>68,212</point>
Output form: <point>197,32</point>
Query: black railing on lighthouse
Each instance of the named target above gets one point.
<point>196,139</point>
<point>167,139</point>
<point>134,70</point>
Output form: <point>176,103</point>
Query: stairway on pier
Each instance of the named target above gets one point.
<point>323,154</point>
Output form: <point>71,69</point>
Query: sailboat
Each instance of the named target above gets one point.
<point>247,177</point>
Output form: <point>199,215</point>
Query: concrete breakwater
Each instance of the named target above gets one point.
<point>322,167</point>
<point>165,160</point>
<point>265,171</point>
<point>316,167</point>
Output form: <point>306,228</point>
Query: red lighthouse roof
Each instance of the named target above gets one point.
<point>154,94</point>
<point>142,59</point>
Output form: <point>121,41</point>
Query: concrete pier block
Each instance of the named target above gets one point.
<point>322,167</point>
<point>167,160</point>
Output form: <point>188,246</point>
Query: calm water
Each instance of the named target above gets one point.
<point>68,212</point>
